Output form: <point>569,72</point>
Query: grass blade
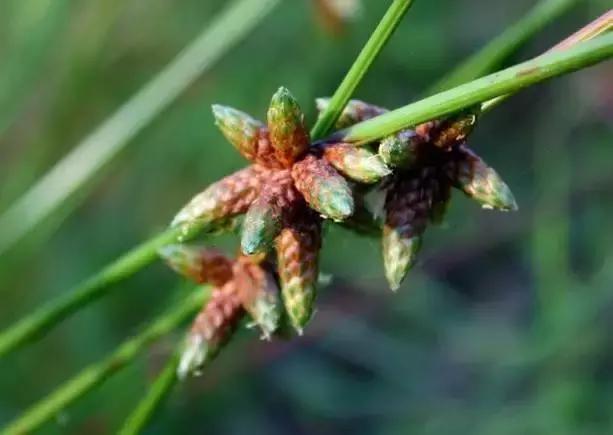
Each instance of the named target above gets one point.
<point>72,172</point>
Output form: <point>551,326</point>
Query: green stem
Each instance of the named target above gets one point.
<point>503,46</point>
<point>96,374</point>
<point>41,320</point>
<point>152,401</point>
<point>504,82</point>
<point>599,26</point>
<point>367,56</point>
<point>77,168</point>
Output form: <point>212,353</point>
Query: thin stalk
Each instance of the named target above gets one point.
<point>503,46</point>
<point>354,76</point>
<point>146,408</point>
<point>96,374</point>
<point>503,82</point>
<point>40,321</point>
<point>599,26</point>
<point>78,167</point>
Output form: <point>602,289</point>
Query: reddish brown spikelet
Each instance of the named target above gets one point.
<point>469,173</point>
<point>355,111</point>
<point>357,163</point>
<point>211,328</point>
<point>298,248</point>
<point>454,130</point>
<point>228,197</point>
<point>323,188</point>
<point>200,264</point>
<point>258,293</point>
<point>288,132</point>
<point>408,206</point>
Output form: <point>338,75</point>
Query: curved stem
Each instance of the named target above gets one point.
<point>354,76</point>
<point>152,401</point>
<point>503,46</point>
<point>96,374</point>
<point>87,159</point>
<point>41,320</point>
<point>504,82</point>
<point>600,25</point>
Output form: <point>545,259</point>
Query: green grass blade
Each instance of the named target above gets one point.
<point>146,408</point>
<point>73,172</point>
<point>354,76</point>
<point>96,374</point>
<point>500,48</point>
<point>507,81</point>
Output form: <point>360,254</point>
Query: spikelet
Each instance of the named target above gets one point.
<point>355,111</point>
<point>261,225</point>
<point>323,188</point>
<point>248,135</point>
<point>469,173</point>
<point>401,149</point>
<point>211,328</point>
<point>453,130</point>
<point>258,293</point>
<point>408,205</point>
<point>200,264</point>
<point>288,133</point>
<point>228,197</point>
<point>359,164</point>
<point>298,248</point>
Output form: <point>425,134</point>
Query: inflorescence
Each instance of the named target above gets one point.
<point>291,186</point>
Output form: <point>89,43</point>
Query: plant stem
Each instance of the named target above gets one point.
<point>600,25</point>
<point>503,46</point>
<point>152,401</point>
<point>367,56</point>
<point>96,374</point>
<point>503,82</point>
<point>41,320</point>
<point>78,167</point>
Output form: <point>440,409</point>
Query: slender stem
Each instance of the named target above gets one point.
<point>96,374</point>
<point>503,46</point>
<point>152,401</point>
<point>506,81</point>
<point>367,56</point>
<point>40,321</point>
<point>600,25</point>
<point>77,168</point>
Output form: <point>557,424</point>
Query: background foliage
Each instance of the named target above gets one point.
<point>502,328</point>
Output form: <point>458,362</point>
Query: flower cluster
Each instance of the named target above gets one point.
<point>287,190</point>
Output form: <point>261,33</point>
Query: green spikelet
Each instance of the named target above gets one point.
<point>224,199</point>
<point>261,225</point>
<point>200,264</point>
<point>323,188</point>
<point>297,255</point>
<point>355,111</point>
<point>469,173</point>
<point>400,150</point>
<point>240,129</point>
<point>359,164</point>
<point>408,206</point>
<point>259,294</point>
<point>288,132</point>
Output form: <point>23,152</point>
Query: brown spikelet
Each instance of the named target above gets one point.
<point>258,293</point>
<point>324,189</point>
<point>408,206</point>
<point>228,197</point>
<point>298,248</point>
<point>202,265</point>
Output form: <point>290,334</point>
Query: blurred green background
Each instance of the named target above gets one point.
<point>503,327</point>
